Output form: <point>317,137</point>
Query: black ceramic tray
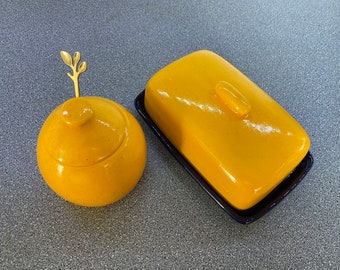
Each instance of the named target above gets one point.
<point>242,216</point>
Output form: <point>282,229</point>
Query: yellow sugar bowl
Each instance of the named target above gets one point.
<point>91,151</point>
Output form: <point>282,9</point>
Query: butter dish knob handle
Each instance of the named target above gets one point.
<point>232,99</point>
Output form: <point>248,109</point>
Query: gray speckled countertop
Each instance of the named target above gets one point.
<point>291,49</point>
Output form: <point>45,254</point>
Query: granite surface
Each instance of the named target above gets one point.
<point>291,49</point>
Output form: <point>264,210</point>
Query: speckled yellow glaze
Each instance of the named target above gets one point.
<point>240,140</point>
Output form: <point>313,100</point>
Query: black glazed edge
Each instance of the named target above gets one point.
<point>242,216</point>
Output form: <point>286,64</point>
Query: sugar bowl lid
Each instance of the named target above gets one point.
<point>83,130</point>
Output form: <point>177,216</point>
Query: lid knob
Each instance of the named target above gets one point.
<point>232,98</point>
<point>76,111</point>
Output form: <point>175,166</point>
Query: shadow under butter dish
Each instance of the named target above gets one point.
<point>234,134</point>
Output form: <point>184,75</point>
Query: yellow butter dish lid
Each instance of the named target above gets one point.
<point>242,147</point>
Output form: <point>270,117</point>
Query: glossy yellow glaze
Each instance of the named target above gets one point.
<point>240,140</point>
<point>91,151</point>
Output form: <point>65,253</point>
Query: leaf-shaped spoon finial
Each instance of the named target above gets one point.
<point>77,70</point>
